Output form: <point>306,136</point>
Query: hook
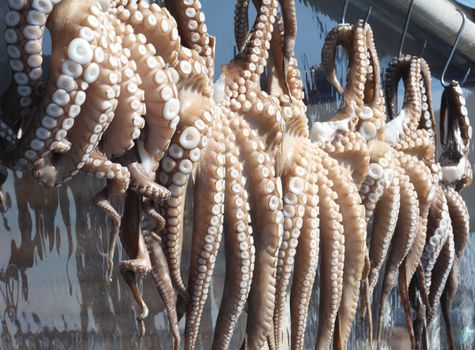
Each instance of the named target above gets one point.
<point>423,48</point>
<point>343,11</point>
<point>466,76</point>
<point>457,39</point>
<point>368,14</point>
<point>406,26</point>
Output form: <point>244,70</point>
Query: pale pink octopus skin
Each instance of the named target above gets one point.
<point>371,190</point>
<point>102,80</point>
<point>448,215</point>
<point>302,166</point>
<point>231,124</point>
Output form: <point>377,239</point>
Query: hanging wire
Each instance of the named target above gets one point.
<point>343,11</point>
<point>406,26</point>
<point>457,39</point>
<point>466,76</point>
<point>368,14</point>
<point>423,48</point>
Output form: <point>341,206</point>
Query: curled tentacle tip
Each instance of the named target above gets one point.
<point>110,270</point>
<point>141,328</point>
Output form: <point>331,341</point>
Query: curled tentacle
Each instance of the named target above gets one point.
<point>193,29</point>
<point>340,35</point>
<point>134,245</point>
<point>74,66</point>
<point>92,120</point>
<point>118,178</point>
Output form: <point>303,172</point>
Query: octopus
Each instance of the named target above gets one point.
<point>356,132</point>
<point>305,171</point>
<point>456,176</point>
<point>396,178</point>
<point>91,109</point>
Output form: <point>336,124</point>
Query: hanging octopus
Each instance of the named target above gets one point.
<point>434,222</point>
<point>86,77</point>
<point>302,162</point>
<point>378,177</point>
<point>255,119</point>
<point>381,191</point>
<point>456,175</point>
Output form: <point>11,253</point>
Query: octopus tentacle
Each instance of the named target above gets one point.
<point>253,55</point>
<point>306,262</point>
<point>163,282</point>
<point>332,252</point>
<point>340,35</point>
<point>134,245</point>
<point>409,68</point>
<point>267,218</point>
<point>128,119</point>
<point>403,238</point>
<point>241,23</point>
<point>354,231</point>
<point>92,121</point>
<point>350,150</point>
<point>193,30</point>
<point>294,183</point>
<point>161,97</point>
<point>421,177</point>
<point>437,223</point>
<point>384,225</point>
<point>290,27</point>
<point>440,275</point>
<point>25,24</point>
<point>143,183</point>
<point>118,178</point>
<point>208,228</point>
<point>428,117</point>
<point>191,132</point>
<point>456,170</point>
<point>239,245</point>
<point>459,216</point>
<point>182,156</point>
<point>75,65</point>
<point>8,137</point>
<point>446,302</point>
